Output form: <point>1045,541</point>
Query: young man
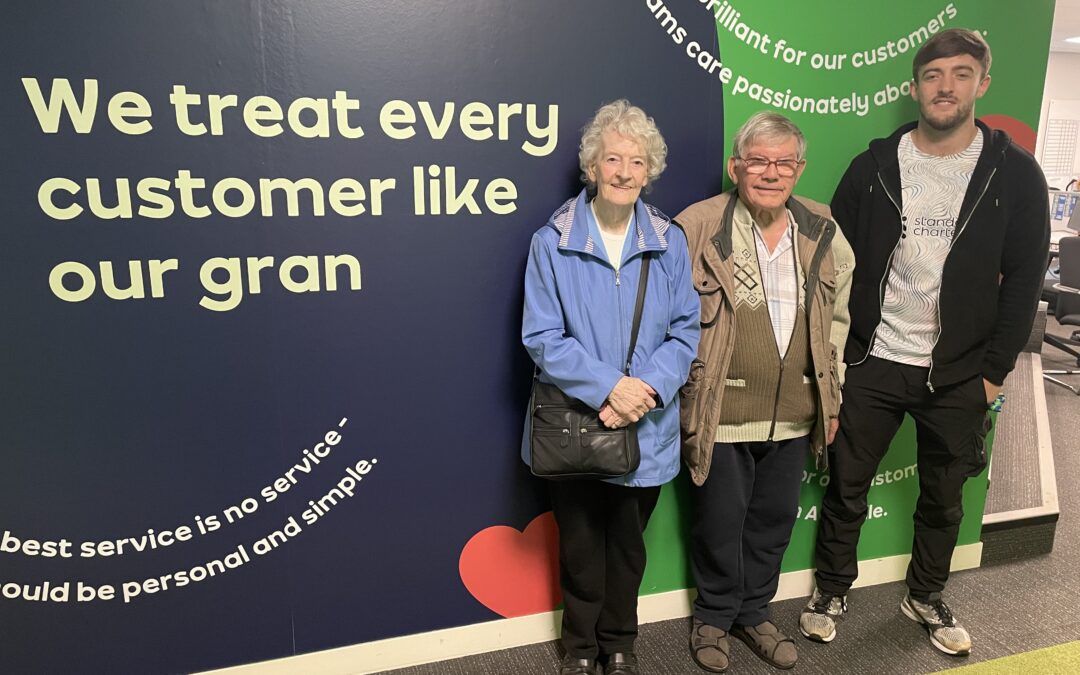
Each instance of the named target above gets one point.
<point>772,273</point>
<point>950,226</point>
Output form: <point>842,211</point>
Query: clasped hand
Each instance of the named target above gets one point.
<point>628,402</point>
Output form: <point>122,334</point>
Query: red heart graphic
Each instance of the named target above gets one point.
<point>514,573</point>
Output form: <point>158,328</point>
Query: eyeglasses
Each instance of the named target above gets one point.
<point>784,167</point>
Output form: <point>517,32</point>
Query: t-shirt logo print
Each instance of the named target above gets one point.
<point>929,226</point>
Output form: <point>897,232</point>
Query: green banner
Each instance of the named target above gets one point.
<point>842,72</point>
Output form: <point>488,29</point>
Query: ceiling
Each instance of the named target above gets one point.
<point>1066,25</point>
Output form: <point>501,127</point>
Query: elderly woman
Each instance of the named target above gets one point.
<point>581,285</point>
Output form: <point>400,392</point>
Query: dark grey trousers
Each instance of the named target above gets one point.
<point>951,425</point>
<point>741,526</point>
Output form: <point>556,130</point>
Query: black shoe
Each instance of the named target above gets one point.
<point>621,663</point>
<point>574,666</point>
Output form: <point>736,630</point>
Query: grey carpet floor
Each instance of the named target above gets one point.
<point>1009,608</point>
<point>1014,476</point>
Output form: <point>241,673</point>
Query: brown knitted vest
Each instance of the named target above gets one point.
<point>763,389</point>
<point>759,382</point>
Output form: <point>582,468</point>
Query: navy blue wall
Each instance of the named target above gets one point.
<point>119,416</point>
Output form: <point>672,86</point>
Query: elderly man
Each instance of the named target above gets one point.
<point>772,273</point>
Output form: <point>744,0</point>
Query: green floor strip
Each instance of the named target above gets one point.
<point>1050,661</point>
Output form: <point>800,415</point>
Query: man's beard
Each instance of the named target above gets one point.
<point>950,122</point>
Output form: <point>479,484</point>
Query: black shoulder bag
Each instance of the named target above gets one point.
<point>567,438</point>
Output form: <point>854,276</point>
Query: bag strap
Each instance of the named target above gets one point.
<point>639,305</point>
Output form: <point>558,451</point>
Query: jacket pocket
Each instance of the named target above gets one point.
<point>690,390</point>
<point>710,308</point>
<point>710,295</point>
<point>827,286</point>
<point>690,413</point>
<point>836,389</point>
<point>689,409</point>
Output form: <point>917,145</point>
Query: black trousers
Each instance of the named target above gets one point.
<point>601,562</point>
<point>951,425</point>
<point>741,526</point>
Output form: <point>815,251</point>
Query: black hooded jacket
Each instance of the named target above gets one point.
<point>994,270</point>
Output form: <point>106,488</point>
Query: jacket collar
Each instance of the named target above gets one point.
<point>571,220</point>
<point>809,223</point>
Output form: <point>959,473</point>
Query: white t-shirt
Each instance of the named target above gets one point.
<point>933,190</point>
<point>613,243</point>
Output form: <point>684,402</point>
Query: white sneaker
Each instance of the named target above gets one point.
<point>817,619</point>
<point>945,631</point>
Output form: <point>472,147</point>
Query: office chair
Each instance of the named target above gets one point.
<point>1067,311</point>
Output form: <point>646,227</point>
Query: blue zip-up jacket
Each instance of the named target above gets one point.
<point>579,312</point>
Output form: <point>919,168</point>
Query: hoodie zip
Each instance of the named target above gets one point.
<point>963,226</point>
<point>885,274</point>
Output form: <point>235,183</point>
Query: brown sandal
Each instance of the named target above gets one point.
<point>709,646</point>
<point>770,645</point>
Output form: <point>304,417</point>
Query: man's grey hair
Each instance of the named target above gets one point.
<point>771,127</point>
